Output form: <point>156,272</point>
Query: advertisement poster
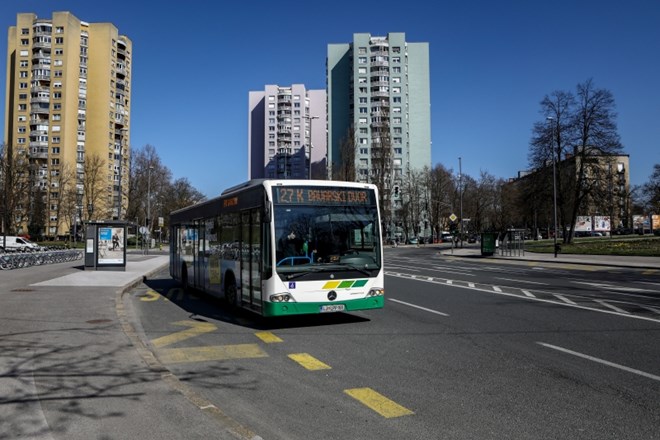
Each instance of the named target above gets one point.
<point>655,219</point>
<point>601,223</point>
<point>583,224</point>
<point>111,245</point>
<point>641,223</point>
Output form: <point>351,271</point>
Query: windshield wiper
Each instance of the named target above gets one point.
<point>359,269</point>
<point>295,275</point>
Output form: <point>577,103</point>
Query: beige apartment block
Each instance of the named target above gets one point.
<point>67,115</point>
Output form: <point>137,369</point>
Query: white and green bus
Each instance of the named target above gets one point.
<point>283,247</point>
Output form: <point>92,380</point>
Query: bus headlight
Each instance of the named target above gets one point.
<point>280,297</point>
<point>376,291</point>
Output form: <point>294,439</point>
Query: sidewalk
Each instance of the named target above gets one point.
<point>604,260</point>
<point>73,363</point>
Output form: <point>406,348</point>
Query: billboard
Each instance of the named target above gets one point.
<point>583,223</point>
<point>601,223</point>
<point>655,222</point>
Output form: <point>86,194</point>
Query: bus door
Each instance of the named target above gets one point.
<point>198,254</point>
<point>250,258</point>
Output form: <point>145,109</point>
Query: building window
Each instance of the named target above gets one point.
<point>398,151</point>
<point>362,70</point>
<point>59,51</point>
<point>362,120</point>
<point>396,120</point>
<point>396,69</point>
<point>25,31</point>
<point>362,50</point>
<point>364,151</point>
<point>23,74</point>
<point>59,29</point>
<point>396,110</point>
<point>396,49</point>
<point>362,60</point>
<point>59,40</point>
<point>24,63</point>
<point>396,80</point>
<point>24,53</point>
<point>396,89</point>
<point>22,129</point>
<point>364,110</point>
<point>56,150</point>
<point>22,85</point>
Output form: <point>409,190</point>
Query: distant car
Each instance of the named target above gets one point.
<point>17,244</point>
<point>412,241</point>
<point>596,234</point>
<point>472,238</point>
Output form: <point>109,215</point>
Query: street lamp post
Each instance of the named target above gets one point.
<point>121,158</point>
<point>554,179</point>
<point>460,189</point>
<point>311,121</point>
<point>148,219</point>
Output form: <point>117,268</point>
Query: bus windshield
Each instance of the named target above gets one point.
<point>333,237</point>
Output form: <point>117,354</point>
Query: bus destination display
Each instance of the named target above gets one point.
<point>317,195</point>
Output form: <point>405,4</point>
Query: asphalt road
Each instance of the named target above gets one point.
<point>464,349</point>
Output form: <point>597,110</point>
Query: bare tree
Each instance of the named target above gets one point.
<point>650,191</point>
<point>63,180</point>
<point>578,136</point>
<point>441,188</point>
<point>94,186</point>
<point>16,184</point>
<point>345,169</point>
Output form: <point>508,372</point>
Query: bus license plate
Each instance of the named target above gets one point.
<point>329,308</point>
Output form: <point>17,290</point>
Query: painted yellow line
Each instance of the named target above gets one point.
<point>649,272</point>
<point>379,403</point>
<point>196,329</point>
<point>268,337</point>
<point>309,362</point>
<point>151,295</point>
<point>210,353</point>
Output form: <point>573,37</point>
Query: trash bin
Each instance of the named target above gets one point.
<point>488,240</point>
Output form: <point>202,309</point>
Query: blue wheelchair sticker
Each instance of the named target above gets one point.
<point>292,285</point>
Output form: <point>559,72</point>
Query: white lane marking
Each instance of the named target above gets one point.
<point>450,282</point>
<point>615,308</point>
<point>418,307</point>
<point>528,293</point>
<point>614,287</point>
<point>521,281</point>
<point>471,285</point>
<point>601,361</point>
<point>653,309</point>
<point>547,301</point>
<point>497,289</point>
<point>563,298</point>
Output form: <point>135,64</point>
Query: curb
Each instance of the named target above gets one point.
<point>230,425</point>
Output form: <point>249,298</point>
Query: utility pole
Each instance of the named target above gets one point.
<point>460,189</point>
<point>311,121</point>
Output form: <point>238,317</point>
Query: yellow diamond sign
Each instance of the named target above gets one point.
<point>453,217</point>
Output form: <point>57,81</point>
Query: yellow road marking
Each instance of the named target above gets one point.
<point>197,328</point>
<point>210,353</point>
<point>309,362</point>
<point>379,403</point>
<point>649,272</point>
<point>151,296</point>
<point>268,337</point>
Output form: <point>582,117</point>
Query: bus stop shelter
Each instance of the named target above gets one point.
<point>105,245</point>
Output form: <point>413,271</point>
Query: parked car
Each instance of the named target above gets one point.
<point>20,244</point>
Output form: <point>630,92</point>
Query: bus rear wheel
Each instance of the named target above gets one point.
<point>230,293</point>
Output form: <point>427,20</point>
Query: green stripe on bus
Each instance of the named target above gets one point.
<point>345,284</point>
<point>360,283</point>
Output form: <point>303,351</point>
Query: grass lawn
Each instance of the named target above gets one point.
<point>646,246</point>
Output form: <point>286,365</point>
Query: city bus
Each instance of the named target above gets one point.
<point>283,247</point>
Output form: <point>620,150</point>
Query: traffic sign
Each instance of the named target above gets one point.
<point>453,217</point>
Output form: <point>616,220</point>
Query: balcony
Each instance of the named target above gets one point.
<point>40,108</point>
<point>38,152</point>
<point>40,99</point>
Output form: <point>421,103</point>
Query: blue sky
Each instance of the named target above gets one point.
<point>492,62</point>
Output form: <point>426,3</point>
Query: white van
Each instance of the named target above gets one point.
<point>17,244</point>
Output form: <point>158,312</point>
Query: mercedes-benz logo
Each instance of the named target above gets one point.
<point>332,295</point>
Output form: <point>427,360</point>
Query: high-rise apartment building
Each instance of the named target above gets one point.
<point>379,107</point>
<point>287,133</point>
<point>67,113</point>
